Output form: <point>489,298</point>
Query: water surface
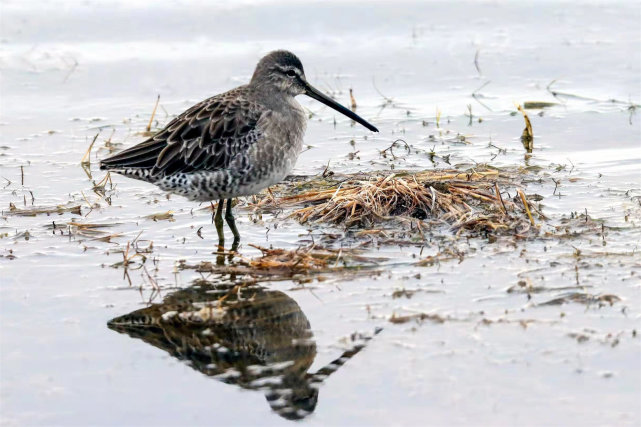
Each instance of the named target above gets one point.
<point>506,353</point>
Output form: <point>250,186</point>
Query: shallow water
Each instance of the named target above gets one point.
<point>498,355</point>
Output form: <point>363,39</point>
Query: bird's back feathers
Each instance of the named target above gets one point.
<point>208,136</point>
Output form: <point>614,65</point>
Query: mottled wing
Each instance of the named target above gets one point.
<point>209,136</point>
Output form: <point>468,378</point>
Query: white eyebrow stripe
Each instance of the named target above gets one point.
<point>288,68</point>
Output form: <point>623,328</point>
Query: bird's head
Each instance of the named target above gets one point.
<point>283,71</point>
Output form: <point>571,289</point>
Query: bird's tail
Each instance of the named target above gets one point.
<point>141,156</point>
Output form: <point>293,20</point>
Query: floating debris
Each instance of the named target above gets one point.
<point>538,105</point>
<point>162,216</point>
<point>39,210</point>
<point>579,337</point>
<point>298,259</point>
<point>409,293</point>
<point>526,287</point>
<point>85,229</point>
<point>583,298</point>
<point>419,317</point>
<point>277,263</point>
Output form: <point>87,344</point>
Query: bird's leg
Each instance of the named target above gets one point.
<point>229,217</point>
<point>218,222</point>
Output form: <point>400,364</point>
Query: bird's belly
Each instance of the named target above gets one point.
<point>254,187</point>
<point>226,184</point>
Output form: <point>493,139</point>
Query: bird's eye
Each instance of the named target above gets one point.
<point>291,73</point>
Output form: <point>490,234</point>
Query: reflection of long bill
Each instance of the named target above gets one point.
<point>317,95</point>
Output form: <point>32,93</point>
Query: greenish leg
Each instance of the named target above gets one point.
<point>229,217</point>
<point>218,222</point>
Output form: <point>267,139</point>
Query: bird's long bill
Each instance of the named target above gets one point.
<point>312,92</point>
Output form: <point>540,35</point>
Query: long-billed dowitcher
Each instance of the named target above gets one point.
<point>233,144</point>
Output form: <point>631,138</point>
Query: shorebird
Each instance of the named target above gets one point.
<point>233,144</point>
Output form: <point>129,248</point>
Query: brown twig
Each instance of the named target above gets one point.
<point>525,205</point>
<point>153,114</point>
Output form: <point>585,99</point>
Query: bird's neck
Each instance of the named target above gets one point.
<point>275,99</point>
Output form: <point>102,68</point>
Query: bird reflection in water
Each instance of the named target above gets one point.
<point>245,335</point>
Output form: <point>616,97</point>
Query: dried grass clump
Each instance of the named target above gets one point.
<point>463,200</point>
<point>310,258</point>
<point>299,259</point>
<point>286,264</point>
